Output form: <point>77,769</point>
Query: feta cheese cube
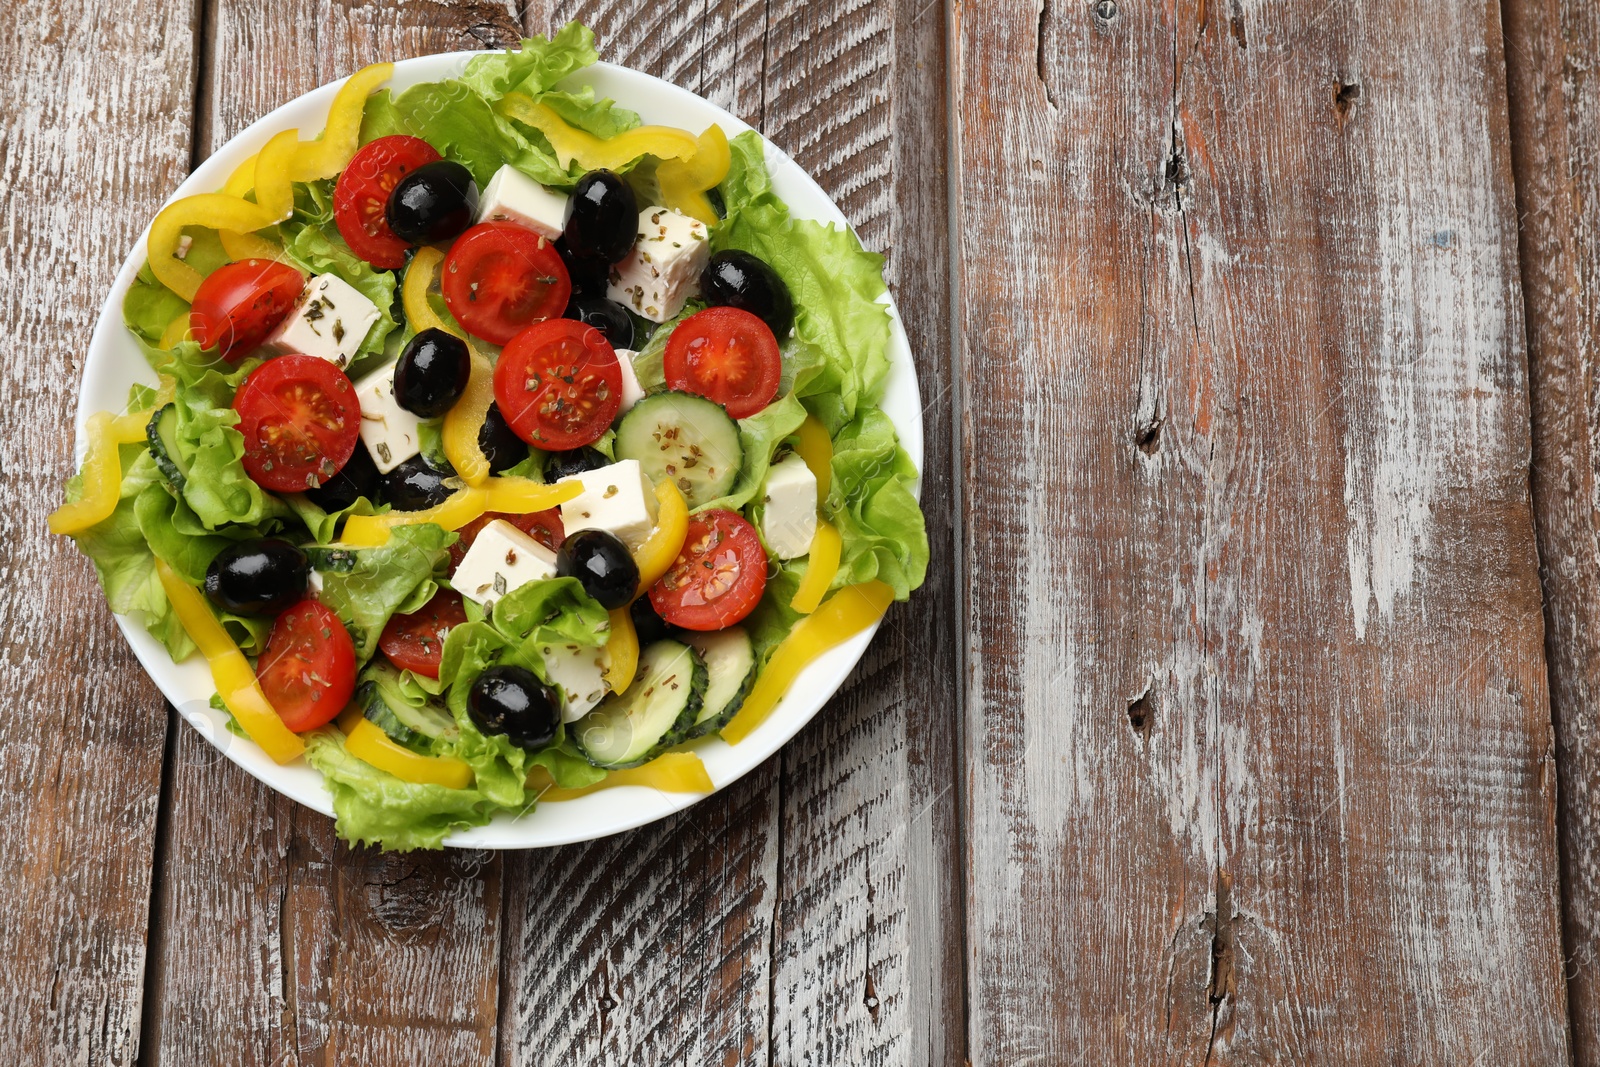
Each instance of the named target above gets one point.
<point>580,672</point>
<point>512,196</point>
<point>632,392</point>
<point>330,322</point>
<point>502,558</point>
<point>663,270</point>
<point>789,521</point>
<point>618,499</point>
<point>389,431</point>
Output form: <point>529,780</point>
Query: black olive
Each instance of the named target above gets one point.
<point>738,279</point>
<point>258,577</point>
<point>559,465</point>
<point>357,478</point>
<point>588,274</point>
<point>649,626</point>
<point>513,702</point>
<point>433,203</point>
<point>432,373</point>
<point>499,442</point>
<point>607,316</point>
<point>602,563</point>
<point>415,485</point>
<point>604,219</point>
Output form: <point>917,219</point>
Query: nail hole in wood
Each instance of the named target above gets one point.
<point>1345,97</point>
<point>1141,713</point>
<point>1105,12</point>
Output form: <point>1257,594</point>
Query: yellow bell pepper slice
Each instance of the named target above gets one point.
<point>274,195</point>
<point>670,772</point>
<point>684,182</point>
<point>102,471</point>
<point>592,153</point>
<point>622,651</point>
<point>242,246</point>
<point>660,550</point>
<point>815,447</point>
<point>414,291</point>
<point>845,614</point>
<point>515,496</point>
<point>176,333</point>
<point>370,744</point>
<point>218,211</point>
<point>232,673</point>
<point>285,159</point>
<point>464,421</point>
<point>342,135</point>
<point>243,178</point>
<point>821,565</point>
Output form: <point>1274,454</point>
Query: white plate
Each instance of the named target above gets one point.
<point>114,363</point>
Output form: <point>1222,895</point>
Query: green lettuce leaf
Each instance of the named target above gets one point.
<point>535,66</point>
<point>881,526</point>
<point>452,117</point>
<point>123,560</point>
<point>397,577</point>
<point>324,527</point>
<point>834,281</point>
<point>570,770</point>
<point>601,117</point>
<point>376,808</point>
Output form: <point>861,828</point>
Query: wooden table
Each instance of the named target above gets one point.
<point>1261,480</point>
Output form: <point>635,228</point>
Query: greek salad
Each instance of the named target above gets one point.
<point>502,446</point>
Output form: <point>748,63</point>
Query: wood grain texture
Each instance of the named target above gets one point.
<point>822,908</point>
<point>1554,92</point>
<point>1258,736</point>
<point>96,114</point>
<point>280,945</point>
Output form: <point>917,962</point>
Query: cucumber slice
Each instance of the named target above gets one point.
<point>730,673</point>
<point>378,712</point>
<point>163,436</point>
<point>685,438</point>
<point>428,722</point>
<point>631,728</point>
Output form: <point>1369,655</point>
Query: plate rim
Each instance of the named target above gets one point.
<point>638,806</point>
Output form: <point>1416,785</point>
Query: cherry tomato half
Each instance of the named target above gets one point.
<point>500,278</point>
<point>239,304</point>
<point>558,384</point>
<point>727,355</point>
<point>543,526</point>
<point>300,419</point>
<point>308,672</point>
<point>361,198</point>
<point>415,642</point>
<point>719,576</point>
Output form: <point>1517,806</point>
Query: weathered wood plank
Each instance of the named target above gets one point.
<point>1554,93</point>
<point>867,966</point>
<point>280,944</point>
<point>863,966</point>
<point>93,134</point>
<point>1257,712</point>
<point>653,946</point>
